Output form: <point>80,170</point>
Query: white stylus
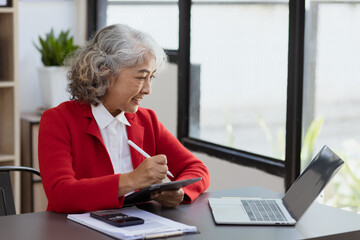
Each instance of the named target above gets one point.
<point>136,147</point>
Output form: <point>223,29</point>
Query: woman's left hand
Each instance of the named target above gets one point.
<point>169,198</point>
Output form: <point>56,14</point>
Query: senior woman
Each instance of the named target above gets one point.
<point>85,161</point>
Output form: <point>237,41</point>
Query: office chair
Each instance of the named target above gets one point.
<point>7,204</point>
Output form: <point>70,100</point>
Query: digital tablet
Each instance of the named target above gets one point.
<point>144,194</point>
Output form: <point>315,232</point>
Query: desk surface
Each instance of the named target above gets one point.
<point>332,223</point>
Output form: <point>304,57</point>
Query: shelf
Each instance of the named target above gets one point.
<point>5,84</point>
<point>7,10</point>
<point>6,158</point>
<point>9,111</point>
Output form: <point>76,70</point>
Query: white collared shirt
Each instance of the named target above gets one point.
<point>114,135</point>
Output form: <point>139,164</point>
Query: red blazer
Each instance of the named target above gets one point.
<point>75,166</point>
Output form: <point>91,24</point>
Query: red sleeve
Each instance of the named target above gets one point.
<point>181,162</point>
<point>67,189</point>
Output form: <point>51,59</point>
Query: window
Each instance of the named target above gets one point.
<point>331,112</point>
<point>238,57</point>
<point>321,99</point>
<point>234,59</point>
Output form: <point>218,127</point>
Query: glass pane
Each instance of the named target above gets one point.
<point>331,94</point>
<point>239,58</point>
<point>158,18</point>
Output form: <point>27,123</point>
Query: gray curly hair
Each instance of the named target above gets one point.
<point>105,54</point>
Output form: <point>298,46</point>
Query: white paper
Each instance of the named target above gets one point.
<point>154,224</point>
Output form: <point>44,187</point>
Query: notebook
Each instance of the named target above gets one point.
<point>144,194</point>
<point>285,211</point>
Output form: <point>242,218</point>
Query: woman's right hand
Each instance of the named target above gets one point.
<point>151,171</point>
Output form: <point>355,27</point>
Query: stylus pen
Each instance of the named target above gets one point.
<point>136,147</point>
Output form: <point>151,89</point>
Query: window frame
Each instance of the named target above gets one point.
<point>290,168</point>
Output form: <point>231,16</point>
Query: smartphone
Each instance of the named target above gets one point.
<point>116,218</point>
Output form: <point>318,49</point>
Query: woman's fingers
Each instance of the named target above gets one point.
<point>150,171</point>
<point>169,198</point>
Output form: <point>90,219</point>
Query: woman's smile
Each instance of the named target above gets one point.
<point>137,100</point>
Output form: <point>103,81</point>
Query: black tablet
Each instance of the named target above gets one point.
<point>143,195</point>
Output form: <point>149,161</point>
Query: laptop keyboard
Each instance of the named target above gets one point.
<point>263,210</point>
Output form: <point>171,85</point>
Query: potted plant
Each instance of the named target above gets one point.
<point>52,76</point>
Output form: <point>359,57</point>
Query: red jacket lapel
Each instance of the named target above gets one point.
<point>135,134</point>
<point>92,128</point>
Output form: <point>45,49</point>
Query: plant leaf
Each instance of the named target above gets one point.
<point>54,49</point>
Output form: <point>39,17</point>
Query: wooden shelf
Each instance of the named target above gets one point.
<point>6,10</point>
<point>9,110</point>
<point>5,84</point>
<point>7,157</point>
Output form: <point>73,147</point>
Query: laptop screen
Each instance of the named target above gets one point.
<point>311,182</point>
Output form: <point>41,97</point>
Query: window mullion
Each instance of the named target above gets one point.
<point>295,90</point>
<point>184,69</point>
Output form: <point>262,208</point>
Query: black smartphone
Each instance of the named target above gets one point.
<point>116,218</point>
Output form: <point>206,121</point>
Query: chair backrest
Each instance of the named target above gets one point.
<point>7,204</point>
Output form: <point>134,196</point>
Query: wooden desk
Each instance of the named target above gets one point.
<point>319,222</point>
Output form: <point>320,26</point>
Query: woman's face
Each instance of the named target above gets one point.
<point>133,83</point>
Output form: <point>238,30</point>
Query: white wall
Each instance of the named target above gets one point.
<point>227,175</point>
<point>38,17</point>
<point>163,97</point>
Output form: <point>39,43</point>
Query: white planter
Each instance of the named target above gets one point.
<point>53,85</point>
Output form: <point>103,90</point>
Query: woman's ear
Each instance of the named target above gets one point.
<point>111,79</point>
<point>103,68</point>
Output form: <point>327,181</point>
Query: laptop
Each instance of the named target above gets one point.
<point>285,211</point>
